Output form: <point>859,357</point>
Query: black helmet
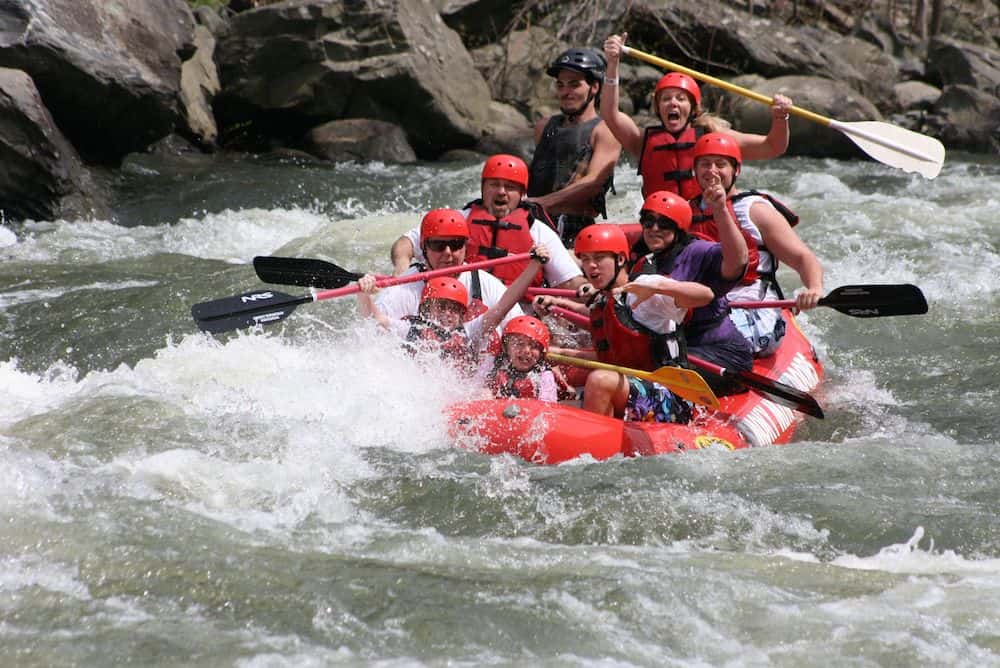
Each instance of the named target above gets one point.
<point>588,61</point>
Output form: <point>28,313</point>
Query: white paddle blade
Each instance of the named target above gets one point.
<point>895,146</point>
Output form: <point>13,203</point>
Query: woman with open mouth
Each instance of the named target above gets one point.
<point>665,152</point>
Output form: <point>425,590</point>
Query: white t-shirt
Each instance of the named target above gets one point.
<point>659,312</point>
<point>400,301</point>
<point>741,208</point>
<point>560,268</point>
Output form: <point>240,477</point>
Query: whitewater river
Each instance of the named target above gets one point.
<point>287,497</point>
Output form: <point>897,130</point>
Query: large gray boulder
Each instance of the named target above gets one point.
<point>968,118</point>
<point>515,70</point>
<point>477,21</point>
<point>42,177</point>
<point>952,61</point>
<point>108,70</point>
<point>291,66</point>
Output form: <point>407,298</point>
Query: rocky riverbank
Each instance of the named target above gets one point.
<point>83,83</point>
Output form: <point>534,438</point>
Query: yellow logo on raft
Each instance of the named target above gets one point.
<point>708,441</point>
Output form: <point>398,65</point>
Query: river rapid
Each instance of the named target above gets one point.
<point>287,497</point>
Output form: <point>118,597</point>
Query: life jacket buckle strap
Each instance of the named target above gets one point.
<point>492,252</point>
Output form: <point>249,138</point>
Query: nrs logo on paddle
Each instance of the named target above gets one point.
<point>256,296</point>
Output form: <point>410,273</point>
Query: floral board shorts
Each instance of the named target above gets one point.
<point>652,402</point>
<point>762,328</point>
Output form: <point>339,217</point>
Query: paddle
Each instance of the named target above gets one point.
<point>266,306</point>
<point>887,143</point>
<point>782,393</point>
<point>555,292</point>
<point>862,301</point>
<point>779,392</point>
<point>682,382</point>
<point>306,272</point>
<point>311,273</point>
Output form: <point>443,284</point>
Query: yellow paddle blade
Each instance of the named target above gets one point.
<point>684,383</point>
<point>895,146</point>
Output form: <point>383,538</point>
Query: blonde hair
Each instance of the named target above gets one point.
<point>711,122</point>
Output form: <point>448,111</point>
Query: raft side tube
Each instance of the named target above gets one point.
<point>536,431</point>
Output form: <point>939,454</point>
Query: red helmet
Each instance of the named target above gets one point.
<point>718,143</point>
<point>444,223</point>
<point>670,205</point>
<point>682,81</point>
<point>533,328</point>
<point>601,238</point>
<point>508,168</point>
<point>446,287</point>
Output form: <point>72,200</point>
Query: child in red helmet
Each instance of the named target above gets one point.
<point>520,370</point>
<point>440,321</point>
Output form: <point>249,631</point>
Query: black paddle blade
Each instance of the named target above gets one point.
<point>247,310</point>
<point>877,301</point>
<point>306,272</point>
<point>780,393</point>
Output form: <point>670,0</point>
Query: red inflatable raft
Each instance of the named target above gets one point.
<point>550,433</point>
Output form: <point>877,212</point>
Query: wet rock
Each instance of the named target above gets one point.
<point>199,84</point>
<point>42,178</point>
<point>107,70</point>
<point>915,95</point>
<point>968,118</point>
<point>360,139</point>
<point>286,68</point>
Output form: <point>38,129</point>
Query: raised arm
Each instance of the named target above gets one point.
<point>621,125</point>
<point>775,142</point>
<point>735,254</point>
<point>512,295</point>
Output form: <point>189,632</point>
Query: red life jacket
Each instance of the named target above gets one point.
<point>476,306</point>
<point>453,344</point>
<point>666,162</point>
<point>703,223</point>
<point>506,381</point>
<point>493,237</point>
<point>619,339</point>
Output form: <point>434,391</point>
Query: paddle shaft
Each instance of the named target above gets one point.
<point>554,292</point>
<point>861,301</point>
<point>390,281</point>
<point>765,99</point>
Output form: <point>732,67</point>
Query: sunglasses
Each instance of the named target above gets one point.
<point>438,245</point>
<point>664,224</point>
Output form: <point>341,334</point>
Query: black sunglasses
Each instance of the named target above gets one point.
<point>438,245</point>
<point>665,224</point>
